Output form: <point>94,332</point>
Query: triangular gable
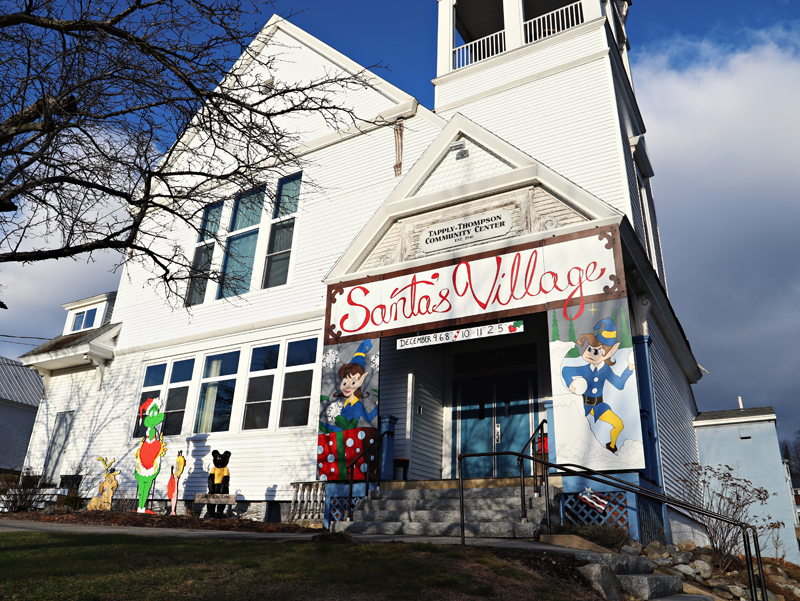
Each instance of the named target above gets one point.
<point>438,185</point>
<point>461,165</point>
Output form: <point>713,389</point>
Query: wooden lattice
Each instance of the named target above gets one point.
<point>339,507</point>
<point>616,514</point>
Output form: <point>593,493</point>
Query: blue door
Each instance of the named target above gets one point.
<point>494,415</point>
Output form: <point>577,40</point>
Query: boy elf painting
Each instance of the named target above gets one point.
<point>344,415</point>
<point>348,422</point>
<point>588,380</point>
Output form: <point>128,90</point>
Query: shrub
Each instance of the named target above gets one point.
<point>612,537</point>
<point>21,493</point>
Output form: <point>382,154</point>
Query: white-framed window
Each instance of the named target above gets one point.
<point>173,392</point>
<point>240,246</point>
<point>281,233</point>
<point>240,240</point>
<point>84,320</point>
<point>217,387</point>
<point>264,362</point>
<point>298,379</point>
<point>203,254</point>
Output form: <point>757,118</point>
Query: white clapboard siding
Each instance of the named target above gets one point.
<point>16,426</point>
<point>676,409</point>
<point>345,198</point>
<point>395,368</point>
<point>568,121</point>
<point>538,58</point>
<point>427,426</point>
<point>659,257</point>
<point>635,215</point>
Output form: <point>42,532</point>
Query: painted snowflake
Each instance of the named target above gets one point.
<point>375,361</point>
<point>334,410</point>
<point>330,358</point>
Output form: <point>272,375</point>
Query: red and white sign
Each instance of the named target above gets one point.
<point>570,270</point>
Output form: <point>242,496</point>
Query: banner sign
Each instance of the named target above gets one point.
<point>562,271</point>
<point>473,229</point>
<point>348,415</point>
<point>485,331</point>
<point>596,417</point>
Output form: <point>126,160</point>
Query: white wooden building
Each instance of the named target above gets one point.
<point>535,127</point>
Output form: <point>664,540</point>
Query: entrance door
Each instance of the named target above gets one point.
<point>58,443</point>
<point>494,415</point>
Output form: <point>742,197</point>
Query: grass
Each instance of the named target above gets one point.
<point>50,566</point>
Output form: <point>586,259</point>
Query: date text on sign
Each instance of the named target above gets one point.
<point>487,331</point>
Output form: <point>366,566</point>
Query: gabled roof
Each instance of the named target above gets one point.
<point>71,350</point>
<point>19,384</point>
<point>65,342</point>
<point>503,167</point>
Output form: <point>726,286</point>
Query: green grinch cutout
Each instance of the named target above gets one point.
<point>151,450</point>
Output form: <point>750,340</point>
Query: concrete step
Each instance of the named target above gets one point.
<point>368,514</point>
<point>650,586</point>
<point>448,493</point>
<point>472,529</point>
<point>511,504</point>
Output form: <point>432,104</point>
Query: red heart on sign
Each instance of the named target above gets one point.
<point>149,452</point>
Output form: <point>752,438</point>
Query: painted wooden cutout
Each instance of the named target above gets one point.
<point>107,489</point>
<point>172,488</point>
<point>151,450</point>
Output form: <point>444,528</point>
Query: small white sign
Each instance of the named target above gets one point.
<point>475,228</point>
<point>487,331</point>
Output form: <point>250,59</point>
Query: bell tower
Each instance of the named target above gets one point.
<point>552,77</point>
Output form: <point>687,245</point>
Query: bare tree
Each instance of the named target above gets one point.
<point>119,117</point>
<point>719,489</point>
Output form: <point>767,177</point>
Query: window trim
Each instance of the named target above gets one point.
<point>164,388</point>
<point>204,355</point>
<point>313,402</point>
<point>276,372</point>
<point>280,219</point>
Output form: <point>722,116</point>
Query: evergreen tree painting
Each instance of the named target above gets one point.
<point>625,340</point>
<point>556,336</point>
<point>574,351</point>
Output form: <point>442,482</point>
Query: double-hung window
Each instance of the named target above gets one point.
<point>298,377</point>
<point>217,386</point>
<point>173,395</point>
<point>279,248</point>
<point>203,253</point>
<point>260,386</point>
<point>240,247</point>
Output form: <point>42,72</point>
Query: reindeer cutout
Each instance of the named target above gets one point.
<point>107,489</point>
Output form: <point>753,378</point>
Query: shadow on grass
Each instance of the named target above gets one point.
<point>46,566</point>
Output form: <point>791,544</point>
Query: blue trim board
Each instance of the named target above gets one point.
<point>551,433</point>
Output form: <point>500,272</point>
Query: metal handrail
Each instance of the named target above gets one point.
<point>602,478</point>
<point>539,430</point>
<point>350,466</point>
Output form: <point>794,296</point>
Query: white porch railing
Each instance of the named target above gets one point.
<point>479,50</point>
<point>308,502</point>
<point>553,22</point>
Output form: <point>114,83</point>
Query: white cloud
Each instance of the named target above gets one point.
<point>34,294</point>
<point>724,137</point>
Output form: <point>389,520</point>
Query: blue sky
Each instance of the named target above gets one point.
<point>718,84</point>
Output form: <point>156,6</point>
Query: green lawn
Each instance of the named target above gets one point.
<point>45,566</point>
